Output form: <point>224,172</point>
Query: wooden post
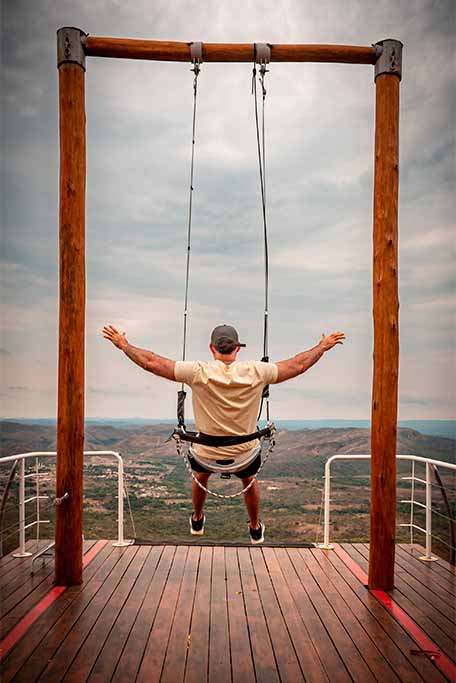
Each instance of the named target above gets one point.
<point>70,424</point>
<point>386,312</point>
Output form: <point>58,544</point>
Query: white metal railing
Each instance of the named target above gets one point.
<point>22,457</point>
<point>428,506</point>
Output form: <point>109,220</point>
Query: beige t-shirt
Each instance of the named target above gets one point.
<point>226,399</point>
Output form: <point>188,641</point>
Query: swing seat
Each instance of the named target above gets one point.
<point>225,471</point>
<point>227,466</point>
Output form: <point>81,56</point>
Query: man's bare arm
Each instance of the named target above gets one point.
<point>148,360</point>
<point>287,369</point>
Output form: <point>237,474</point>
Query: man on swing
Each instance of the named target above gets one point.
<point>226,396</point>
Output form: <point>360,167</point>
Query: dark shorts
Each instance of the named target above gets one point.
<point>248,471</point>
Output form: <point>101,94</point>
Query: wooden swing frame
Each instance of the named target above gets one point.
<point>73,46</point>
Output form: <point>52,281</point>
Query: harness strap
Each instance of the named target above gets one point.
<point>181,408</point>
<point>221,441</point>
<point>265,393</point>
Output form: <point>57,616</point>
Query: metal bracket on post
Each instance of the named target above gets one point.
<point>262,53</point>
<point>70,46</point>
<point>196,52</point>
<point>59,501</point>
<point>389,58</point>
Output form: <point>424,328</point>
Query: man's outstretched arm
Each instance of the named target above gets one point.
<point>148,360</point>
<point>287,369</point>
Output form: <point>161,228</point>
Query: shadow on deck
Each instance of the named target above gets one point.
<point>198,613</point>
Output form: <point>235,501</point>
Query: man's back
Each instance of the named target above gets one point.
<point>225,398</point>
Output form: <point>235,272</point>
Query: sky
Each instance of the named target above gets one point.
<point>319,158</point>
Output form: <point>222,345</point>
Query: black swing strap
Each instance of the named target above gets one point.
<point>222,441</point>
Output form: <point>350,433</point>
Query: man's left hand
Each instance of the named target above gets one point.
<point>328,342</point>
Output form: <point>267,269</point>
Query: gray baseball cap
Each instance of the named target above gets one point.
<point>225,338</point>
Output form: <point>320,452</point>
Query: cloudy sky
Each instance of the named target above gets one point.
<point>320,171</point>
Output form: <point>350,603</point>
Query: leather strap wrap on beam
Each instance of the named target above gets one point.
<point>262,52</point>
<point>196,52</point>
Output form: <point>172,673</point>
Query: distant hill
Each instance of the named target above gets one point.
<point>293,448</point>
<point>291,488</point>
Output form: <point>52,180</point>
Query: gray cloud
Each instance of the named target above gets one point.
<point>320,121</point>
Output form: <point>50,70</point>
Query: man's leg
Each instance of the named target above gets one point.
<point>252,502</point>
<point>198,495</point>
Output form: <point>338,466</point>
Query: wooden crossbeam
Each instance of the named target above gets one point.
<point>171,51</point>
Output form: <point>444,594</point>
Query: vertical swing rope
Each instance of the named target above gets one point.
<point>197,58</point>
<point>196,70</point>
<point>182,394</point>
<point>266,249</point>
<point>261,147</point>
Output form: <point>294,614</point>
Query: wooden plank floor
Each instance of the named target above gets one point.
<point>195,613</point>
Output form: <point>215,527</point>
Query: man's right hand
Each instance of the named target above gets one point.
<point>117,338</point>
<point>331,340</point>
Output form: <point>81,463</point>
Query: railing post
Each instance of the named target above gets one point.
<point>428,557</point>
<point>326,520</point>
<point>37,491</point>
<point>22,552</point>
<point>120,511</point>
<point>412,505</point>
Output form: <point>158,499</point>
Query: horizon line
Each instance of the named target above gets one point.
<point>288,419</point>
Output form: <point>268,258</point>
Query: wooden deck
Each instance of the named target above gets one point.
<point>198,613</point>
